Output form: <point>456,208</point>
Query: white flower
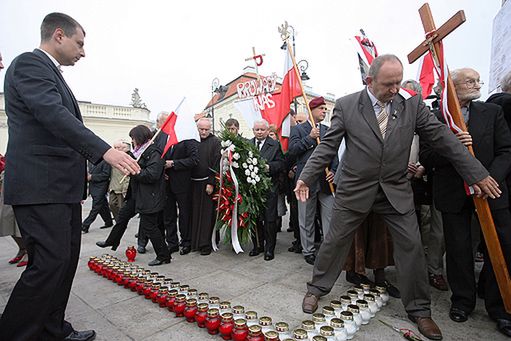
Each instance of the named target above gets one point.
<point>250,154</point>
<point>228,143</point>
<point>257,178</point>
<point>236,156</point>
<point>249,180</point>
<point>253,175</point>
<point>250,167</point>
<point>231,148</point>
<point>247,172</point>
<point>244,165</point>
<point>253,182</point>
<point>254,161</point>
<point>256,169</point>
<point>235,164</point>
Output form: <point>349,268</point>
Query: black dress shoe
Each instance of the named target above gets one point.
<point>504,326</point>
<point>357,279</point>
<point>106,226</point>
<point>255,252</point>
<point>141,249</point>
<point>205,251</point>
<point>158,262</point>
<point>268,256</point>
<point>86,335</point>
<point>458,315</point>
<point>85,229</point>
<point>391,289</point>
<point>185,250</point>
<point>310,259</point>
<point>105,244</point>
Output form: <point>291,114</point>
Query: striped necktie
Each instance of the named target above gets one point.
<point>383,118</point>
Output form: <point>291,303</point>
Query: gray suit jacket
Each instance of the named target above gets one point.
<point>370,161</point>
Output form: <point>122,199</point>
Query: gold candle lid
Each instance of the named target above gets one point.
<point>336,304</point>
<point>345,299</point>
<point>240,322</point>
<point>365,286</point>
<point>369,298</point>
<point>352,293</point>
<point>184,288</point>
<point>337,323</point>
<point>172,293</point>
<point>180,298</point>
<point>238,309</point>
<point>318,317</point>
<point>265,321</point>
<point>203,296</point>
<point>202,307</point>
<point>174,285</point>
<point>254,329</point>
<point>271,335</point>
<point>328,311</point>
<point>362,303</point>
<point>308,325</point>
<point>282,327</point>
<point>213,312</point>
<point>374,292</point>
<point>214,300</point>
<point>319,338</point>
<point>353,308</point>
<point>358,289</point>
<point>225,305</point>
<point>191,302</point>
<point>227,316</point>
<point>346,316</point>
<point>326,331</point>
<point>251,315</point>
<point>192,292</point>
<point>300,334</point>
<point>381,290</point>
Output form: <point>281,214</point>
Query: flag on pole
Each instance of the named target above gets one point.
<point>278,115</point>
<point>366,51</point>
<point>179,128</point>
<point>426,74</point>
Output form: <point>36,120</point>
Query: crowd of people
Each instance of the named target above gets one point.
<point>382,185</point>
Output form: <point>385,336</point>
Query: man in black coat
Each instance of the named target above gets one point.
<point>99,179</point>
<point>180,159</point>
<point>45,180</point>
<point>266,234</point>
<point>491,140</point>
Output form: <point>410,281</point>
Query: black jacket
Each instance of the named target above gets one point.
<point>100,178</point>
<point>491,140</point>
<point>148,187</point>
<point>185,155</point>
<point>48,143</point>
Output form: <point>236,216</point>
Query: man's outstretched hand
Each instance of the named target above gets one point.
<point>487,187</point>
<point>122,161</point>
<point>301,191</point>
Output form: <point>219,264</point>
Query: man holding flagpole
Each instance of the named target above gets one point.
<point>45,180</point>
<point>378,125</point>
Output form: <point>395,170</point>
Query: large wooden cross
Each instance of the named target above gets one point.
<point>432,43</point>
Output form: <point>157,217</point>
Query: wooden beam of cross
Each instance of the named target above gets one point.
<point>258,60</point>
<point>432,44</point>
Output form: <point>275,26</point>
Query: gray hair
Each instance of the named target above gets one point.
<point>263,121</point>
<point>378,62</point>
<point>161,114</point>
<point>505,82</point>
<point>205,119</point>
<point>413,84</point>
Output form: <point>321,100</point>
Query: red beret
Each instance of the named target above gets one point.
<point>316,102</point>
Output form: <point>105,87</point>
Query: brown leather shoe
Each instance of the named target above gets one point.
<point>310,303</point>
<point>427,327</point>
<point>438,282</point>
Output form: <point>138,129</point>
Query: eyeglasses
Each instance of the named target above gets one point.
<point>470,83</point>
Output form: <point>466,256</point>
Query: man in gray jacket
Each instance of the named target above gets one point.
<point>378,124</point>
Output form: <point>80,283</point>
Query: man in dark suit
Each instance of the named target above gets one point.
<point>180,159</point>
<point>266,229</point>
<point>490,138</point>
<point>378,125</point>
<point>45,180</point>
<point>99,179</point>
<point>302,142</point>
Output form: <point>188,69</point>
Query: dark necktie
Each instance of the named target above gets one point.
<point>258,145</point>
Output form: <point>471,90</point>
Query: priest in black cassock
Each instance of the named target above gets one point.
<point>203,184</point>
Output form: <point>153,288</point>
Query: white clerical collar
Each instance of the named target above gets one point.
<point>54,61</point>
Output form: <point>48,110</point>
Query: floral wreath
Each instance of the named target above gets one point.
<point>243,183</point>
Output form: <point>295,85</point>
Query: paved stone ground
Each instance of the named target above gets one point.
<point>273,288</point>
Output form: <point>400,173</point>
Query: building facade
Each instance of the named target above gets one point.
<point>110,122</point>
